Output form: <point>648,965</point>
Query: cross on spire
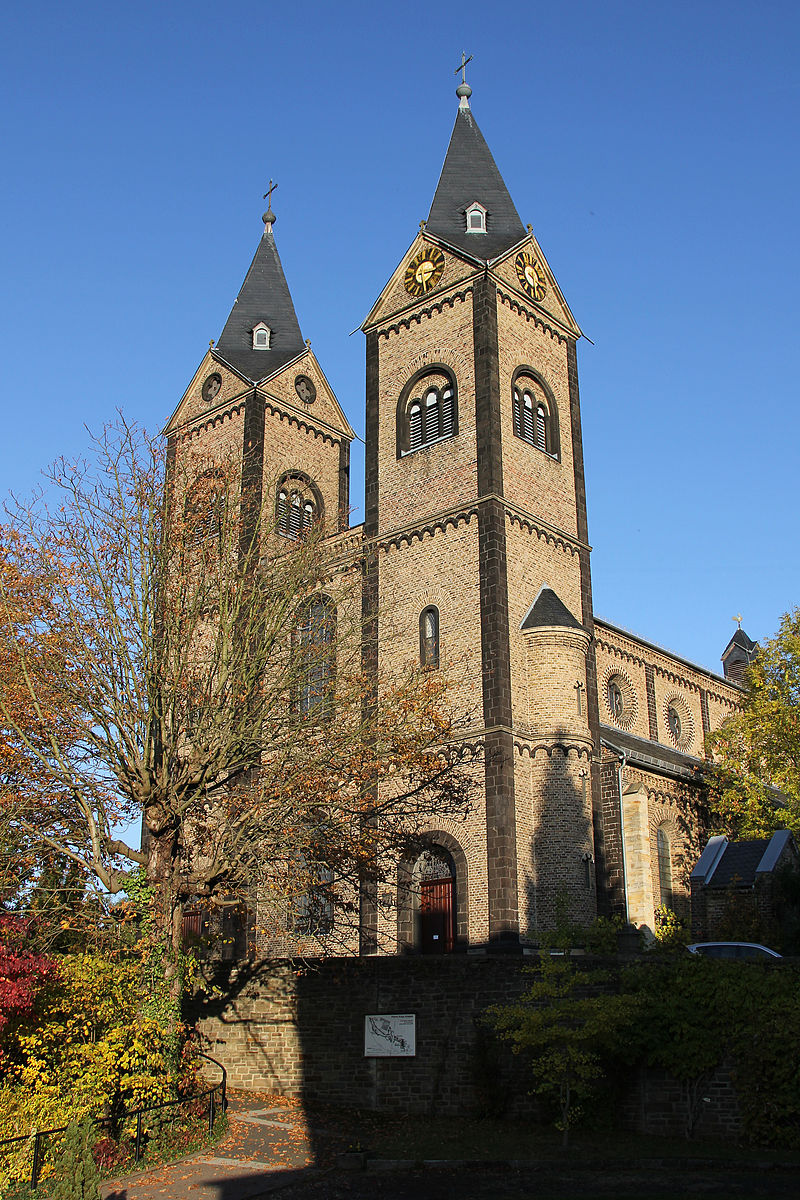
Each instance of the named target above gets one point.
<point>463,67</point>
<point>269,216</point>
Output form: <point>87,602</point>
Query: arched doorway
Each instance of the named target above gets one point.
<point>434,875</point>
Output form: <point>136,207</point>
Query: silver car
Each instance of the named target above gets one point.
<point>733,950</point>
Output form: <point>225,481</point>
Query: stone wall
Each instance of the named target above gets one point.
<point>297,1028</point>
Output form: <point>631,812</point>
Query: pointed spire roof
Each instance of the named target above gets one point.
<point>548,610</point>
<point>470,174</point>
<point>265,298</point>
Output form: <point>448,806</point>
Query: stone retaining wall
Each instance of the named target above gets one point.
<point>298,1029</point>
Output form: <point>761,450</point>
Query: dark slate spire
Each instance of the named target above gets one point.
<point>470,174</point>
<point>264,297</point>
<point>738,655</point>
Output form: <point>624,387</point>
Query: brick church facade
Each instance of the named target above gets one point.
<point>476,525</point>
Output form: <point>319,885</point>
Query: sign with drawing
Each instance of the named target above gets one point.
<point>391,1035</point>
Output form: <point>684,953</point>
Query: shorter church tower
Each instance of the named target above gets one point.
<point>260,403</point>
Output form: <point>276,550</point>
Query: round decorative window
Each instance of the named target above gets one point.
<point>211,387</point>
<point>305,389</point>
<point>620,698</point>
<point>678,722</point>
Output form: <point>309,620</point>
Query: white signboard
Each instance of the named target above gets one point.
<point>391,1035</point>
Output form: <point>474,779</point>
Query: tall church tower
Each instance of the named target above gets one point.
<point>475,515</point>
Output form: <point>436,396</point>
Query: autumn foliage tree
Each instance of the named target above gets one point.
<point>755,779</point>
<point>184,666</point>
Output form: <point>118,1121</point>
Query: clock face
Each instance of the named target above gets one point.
<point>424,271</point>
<point>530,275</point>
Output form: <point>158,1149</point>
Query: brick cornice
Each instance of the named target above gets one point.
<point>413,316</point>
<point>515,304</point>
<point>437,522</point>
<point>204,422</point>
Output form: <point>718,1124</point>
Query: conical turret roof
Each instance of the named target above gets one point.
<point>470,175</point>
<point>265,298</point>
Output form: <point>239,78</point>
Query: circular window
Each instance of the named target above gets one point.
<point>305,389</point>
<point>678,722</point>
<point>211,388</point>
<point>620,698</point>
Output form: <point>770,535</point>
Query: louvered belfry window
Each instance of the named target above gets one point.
<point>430,416</point>
<point>294,510</point>
<point>206,507</point>
<point>532,419</point>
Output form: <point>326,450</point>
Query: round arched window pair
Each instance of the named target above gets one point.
<point>534,415</point>
<point>297,506</point>
<point>427,411</point>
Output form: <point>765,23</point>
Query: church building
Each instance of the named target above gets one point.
<point>475,519</point>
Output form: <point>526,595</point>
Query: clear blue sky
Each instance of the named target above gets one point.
<point>653,148</point>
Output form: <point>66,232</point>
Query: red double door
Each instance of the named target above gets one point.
<point>436,916</point>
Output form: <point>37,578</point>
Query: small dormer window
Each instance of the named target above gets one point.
<point>261,336</point>
<point>476,218</point>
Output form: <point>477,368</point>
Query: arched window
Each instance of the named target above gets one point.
<point>427,412</point>
<point>296,507</point>
<point>429,637</point>
<point>615,701</point>
<point>534,415</point>
<point>206,506</point>
<point>664,848</point>
<point>314,657</point>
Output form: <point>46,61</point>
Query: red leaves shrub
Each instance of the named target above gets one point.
<point>21,974</point>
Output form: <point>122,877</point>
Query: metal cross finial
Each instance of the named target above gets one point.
<point>738,619</point>
<point>268,193</point>
<point>463,67</point>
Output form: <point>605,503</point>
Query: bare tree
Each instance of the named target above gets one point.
<point>211,680</point>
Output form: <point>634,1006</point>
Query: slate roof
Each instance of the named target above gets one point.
<point>264,296</point>
<point>547,609</point>
<point>739,863</point>
<point>742,641</point>
<point>654,756</point>
<point>470,173</point>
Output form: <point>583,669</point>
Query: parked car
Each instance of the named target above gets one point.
<point>732,950</point>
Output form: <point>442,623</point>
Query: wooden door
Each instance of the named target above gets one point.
<point>436,916</point>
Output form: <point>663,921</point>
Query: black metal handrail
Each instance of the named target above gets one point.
<point>40,1135</point>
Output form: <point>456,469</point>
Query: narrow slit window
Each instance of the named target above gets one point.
<point>429,637</point>
<point>667,895</point>
<point>314,648</point>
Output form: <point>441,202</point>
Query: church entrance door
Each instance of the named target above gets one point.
<point>436,916</point>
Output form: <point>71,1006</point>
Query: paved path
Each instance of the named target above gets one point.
<point>266,1148</point>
